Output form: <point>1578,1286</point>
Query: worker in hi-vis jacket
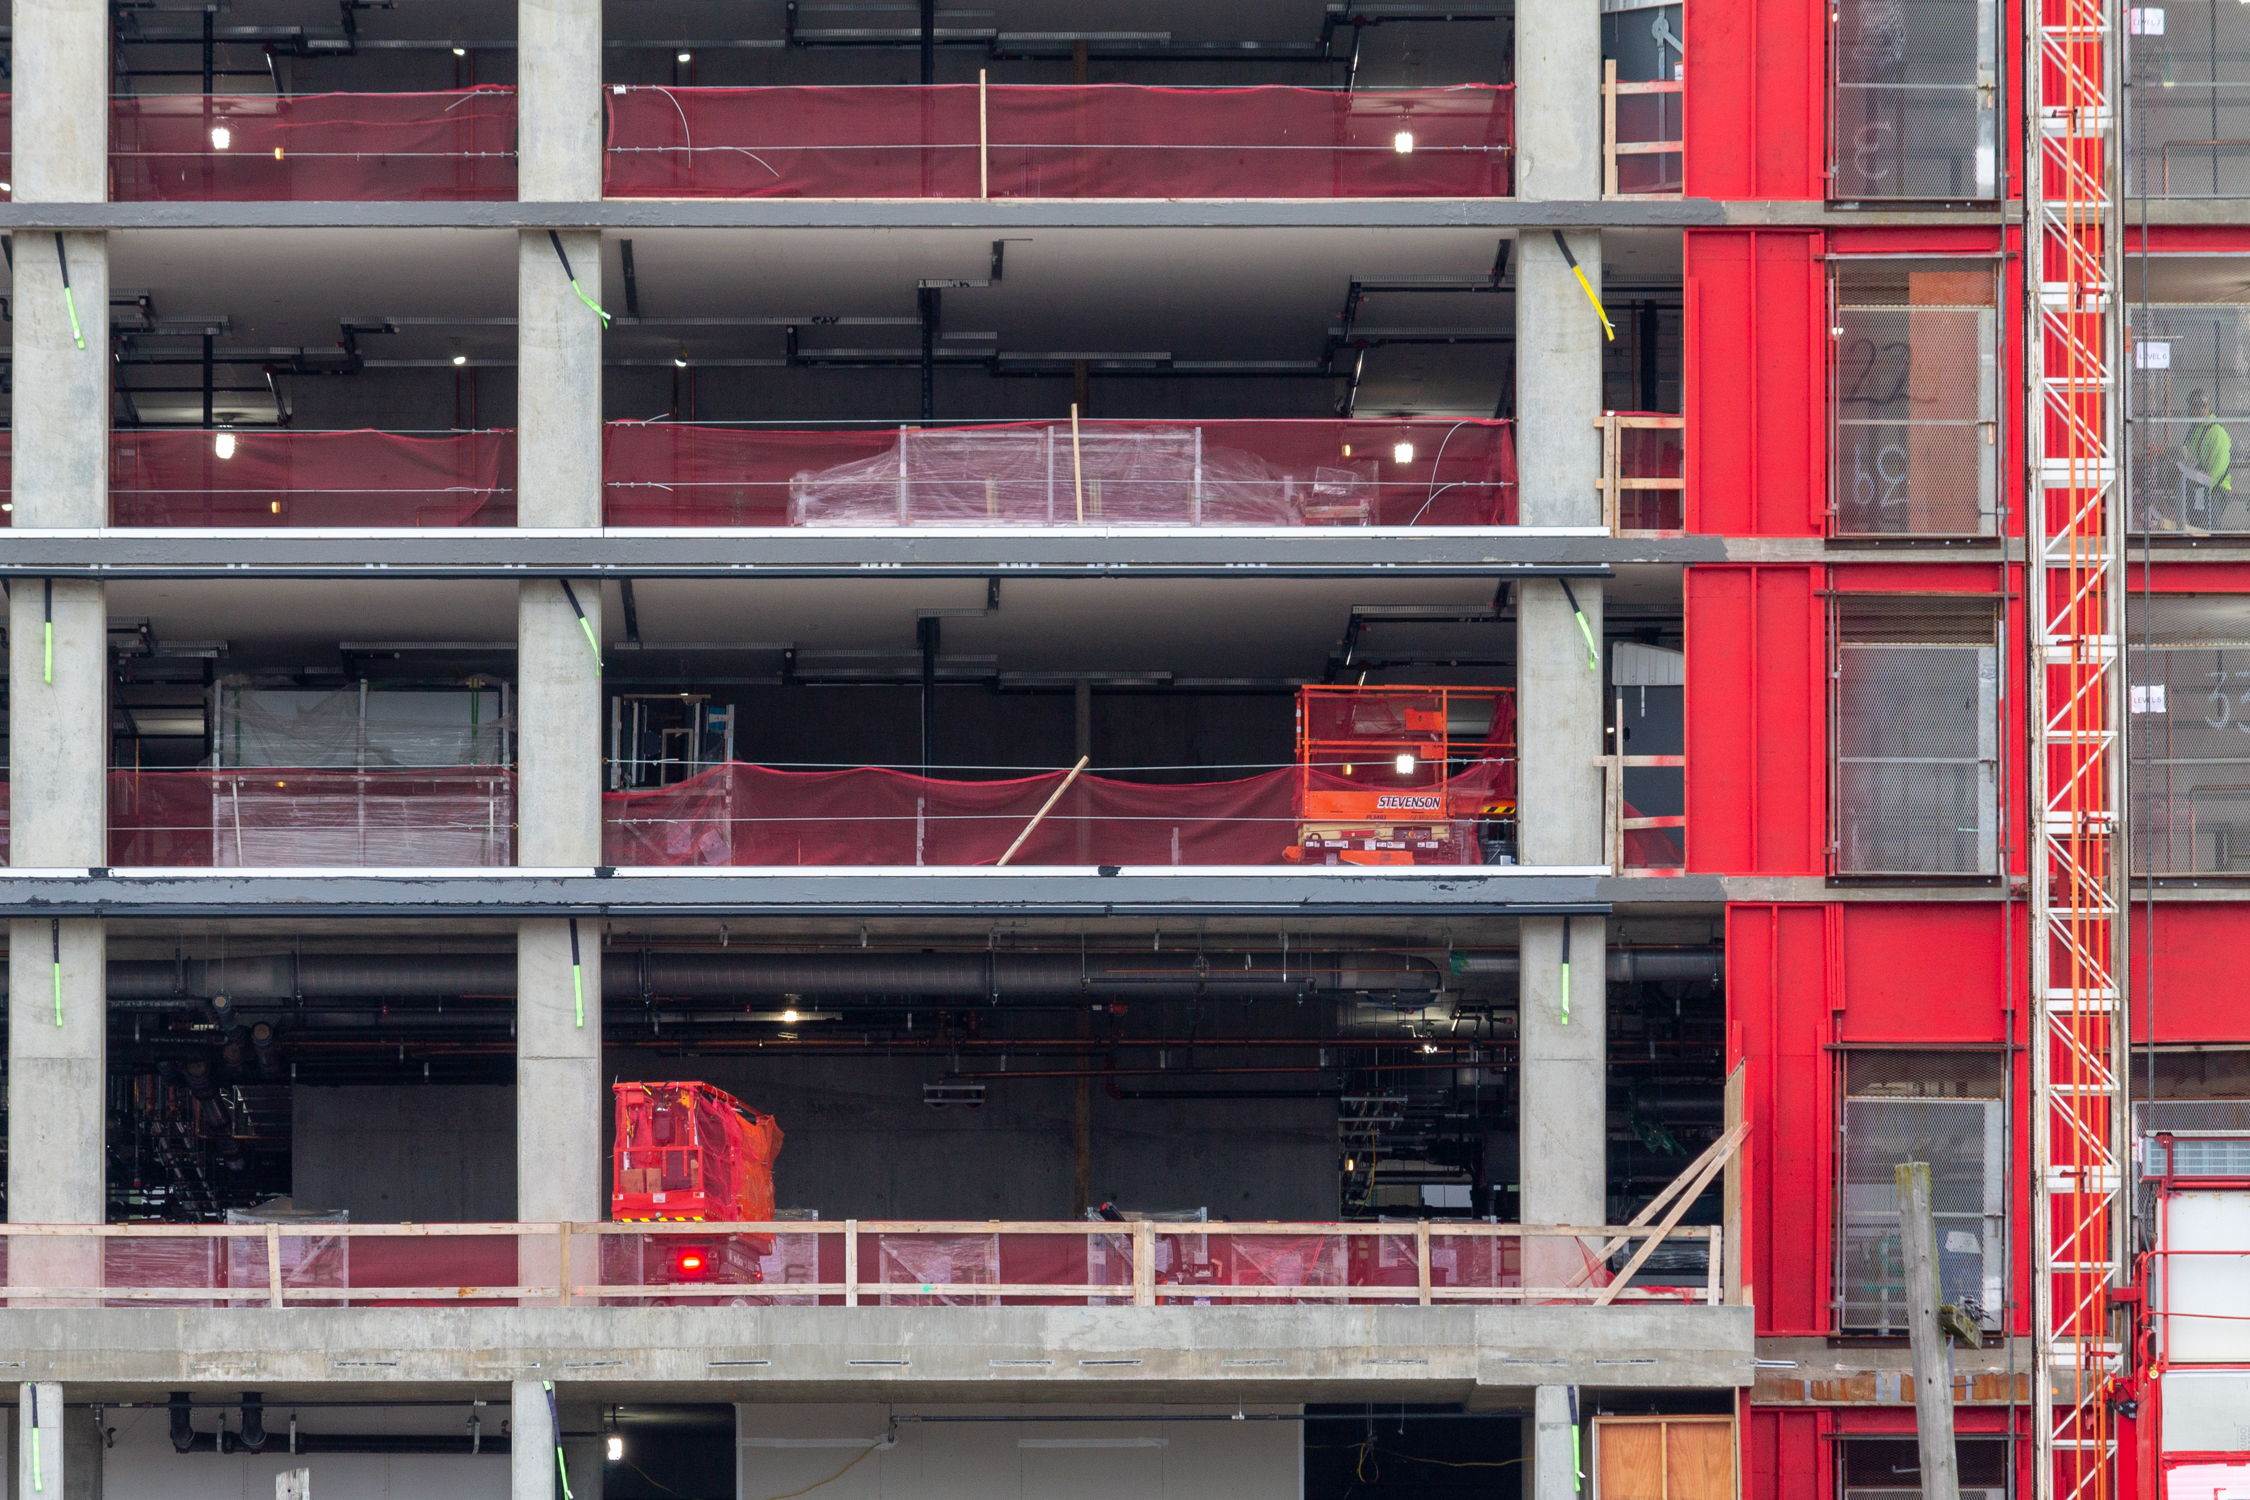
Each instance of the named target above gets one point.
<point>2206,467</point>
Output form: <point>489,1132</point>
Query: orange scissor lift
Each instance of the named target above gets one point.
<point>691,1153</point>
<point>1405,775</point>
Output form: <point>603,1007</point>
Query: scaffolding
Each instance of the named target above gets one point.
<point>2075,530</point>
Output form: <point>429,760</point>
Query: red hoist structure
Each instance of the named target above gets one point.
<point>2077,600</point>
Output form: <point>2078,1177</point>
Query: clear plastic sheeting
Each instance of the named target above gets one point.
<point>1058,141</point>
<point>937,1271</point>
<point>178,477</point>
<point>282,817</point>
<point>455,146</point>
<point>1406,472</point>
<point>748,815</point>
<point>307,729</point>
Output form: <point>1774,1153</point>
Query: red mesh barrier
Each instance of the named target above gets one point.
<point>1651,453</point>
<point>1319,472</point>
<point>281,479</point>
<point>748,815</point>
<point>457,146</point>
<point>1069,141</point>
<point>284,818</point>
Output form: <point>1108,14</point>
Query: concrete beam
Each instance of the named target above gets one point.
<point>1144,891</point>
<point>922,1353</point>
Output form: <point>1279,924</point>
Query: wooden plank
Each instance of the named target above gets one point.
<point>1422,1261</point>
<point>1731,1186</point>
<point>1687,1196</point>
<point>1699,1459</point>
<point>851,1263</point>
<point>1628,1460</point>
<point>273,1263</point>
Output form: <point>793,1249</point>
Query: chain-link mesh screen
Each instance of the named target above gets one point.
<point>1917,763</point>
<point>1914,101</point>
<point>1891,1468</point>
<point>1916,410</point>
<point>1943,1108</point>
<point>2188,727</point>
<point>2191,395</point>
<point>2188,126</point>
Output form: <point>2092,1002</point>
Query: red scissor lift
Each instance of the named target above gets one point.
<point>691,1153</point>
<point>1405,775</point>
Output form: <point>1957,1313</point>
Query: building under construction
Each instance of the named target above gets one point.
<point>1258,749</point>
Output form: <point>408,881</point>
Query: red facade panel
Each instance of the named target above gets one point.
<point>1757,384</point>
<point>1756,105</point>
<point>1778,1002</point>
<point>1786,1455</point>
<point>1757,733</point>
<point>1928,974</point>
<point>2191,953</point>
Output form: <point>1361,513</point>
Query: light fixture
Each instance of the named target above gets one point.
<point>460,52</point>
<point>679,360</point>
<point>788,1015</point>
<point>277,507</point>
<point>7,505</point>
<point>1402,453</point>
<point>221,138</point>
<point>1347,768</point>
<point>1429,1046</point>
<point>687,57</point>
<point>1406,764</point>
<point>1347,450</point>
<point>616,1447</point>
<point>223,445</point>
<point>1351,1163</point>
<point>7,187</point>
<point>1403,143</point>
<point>460,359</point>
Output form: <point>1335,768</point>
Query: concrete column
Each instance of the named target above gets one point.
<point>41,1473</point>
<point>60,101</point>
<point>560,1170</point>
<point>558,101</point>
<point>1558,100</point>
<point>1564,1169</point>
<point>1559,342</point>
<point>57,1164</point>
<point>1558,722</point>
<point>60,402</point>
<point>532,1474</point>
<point>1554,1468</point>
<point>558,381</point>
<point>558,726</point>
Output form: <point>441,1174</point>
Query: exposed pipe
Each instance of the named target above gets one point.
<point>980,976</point>
<point>1625,965</point>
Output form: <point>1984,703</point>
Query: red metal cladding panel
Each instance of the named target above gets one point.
<point>1757,730</point>
<point>1779,996</point>
<point>1786,1455</point>
<point>1756,383</point>
<point>1930,973</point>
<point>1756,117</point>
<point>2198,951</point>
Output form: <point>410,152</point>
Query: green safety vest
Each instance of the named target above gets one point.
<point>2212,450</point>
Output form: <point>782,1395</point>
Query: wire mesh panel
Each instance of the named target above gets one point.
<point>1917,760</point>
<point>1915,93</point>
<point>2189,119</point>
<point>2189,728</point>
<point>1943,1108</point>
<point>1891,1468</point>
<point>1916,448</point>
<point>2190,394</point>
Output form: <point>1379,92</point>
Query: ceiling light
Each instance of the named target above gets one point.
<point>1403,142</point>
<point>1402,453</point>
<point>1429,1046</point>
<point>460,359</point>
<point>221,138</point>
<point>1406,764</point>
<point>1347,450</point>
<point>679,360</point>
<point>7,505</point>
<point>223,445</point>
<point>7,187</point>
<point>460,52</point>
<point>1351,1163</point>
<point>687,57</point>
<point>277,507</point>
<point>788,1015</point>
<point>1347,768</point>
<point>616,1447</point>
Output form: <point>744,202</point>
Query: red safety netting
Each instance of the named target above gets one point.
<point>280,479</point>
<point>456,146</point>
<point>748,815</point>
<point>1319,472</point>
<point>431,818</point>
<point>1058,141</point>
<point>1651,453</point>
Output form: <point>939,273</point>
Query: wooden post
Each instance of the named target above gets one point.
<point>1082,1111</point>
<point>984,142</point>
<point>273,1264</point>
<point>1609,127</point>
<point>1077,466</point>
<point>851,1263</point>
<point>1422,1261</point>
<point>1731,1185</point>
<point>1933,1380</point>
<point>562,1265</point>
<point>1144,1264</point>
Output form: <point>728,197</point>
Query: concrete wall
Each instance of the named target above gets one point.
<point>431,1155</point>
<point>988,1461</point>
<point>143,1466</point>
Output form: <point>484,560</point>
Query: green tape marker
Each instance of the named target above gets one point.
<point>1593,652</point>
<point>572,277</point>
<point>70,302</point>
<point>47,627</point>
<point>1577,1462</point>
<point>55,933</point>
<point>554,1416</point>
<point>1566,971</point>
<point>577,975</point>
<point>38,1478</point>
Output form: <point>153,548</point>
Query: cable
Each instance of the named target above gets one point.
<point>577,975</point>
<point>553,239</point>
<point>54,925</point>
<point>554,1421</point>
<point>70,301</point>
<point>48,626</point>
<point>38,1478</point>
<point>583,623</point>
<point>1584,285</point>
<point>1593,652</point>
<point>831,1479</point>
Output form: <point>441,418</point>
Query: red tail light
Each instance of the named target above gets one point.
<point>690,1262</point>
